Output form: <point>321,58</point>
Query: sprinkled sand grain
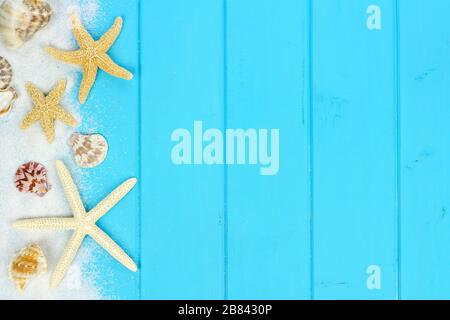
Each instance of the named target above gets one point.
<point>31,63</point>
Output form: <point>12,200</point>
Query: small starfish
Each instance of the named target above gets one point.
<point>47,109</point>
<point>92,55</point>
<point>82,223</point>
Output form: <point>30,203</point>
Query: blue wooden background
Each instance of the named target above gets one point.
<point>364,151</point>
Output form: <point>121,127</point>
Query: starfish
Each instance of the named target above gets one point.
<point>92,55</point>
<point>47,109</point>
<point>82,223</point>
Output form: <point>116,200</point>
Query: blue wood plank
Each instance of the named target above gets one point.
<point>268,216</point>
<point>424,63</point>
<point>182,206</point>
<point>113,110</point>
<point>354,146</point>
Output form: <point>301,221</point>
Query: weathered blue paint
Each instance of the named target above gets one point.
<point>363,161</point>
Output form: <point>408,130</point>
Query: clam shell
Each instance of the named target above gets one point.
<point>31,177</point>
<point>7,98</point>
<point>89,151</point>
<point>21,19</point>
<point>6,73</point>
<point>27,264</point>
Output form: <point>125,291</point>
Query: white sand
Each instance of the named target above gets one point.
<point>31,63</point>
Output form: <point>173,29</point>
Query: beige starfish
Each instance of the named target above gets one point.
<point>47,109</point>
<point>82,223</point>
<point>92,55</point>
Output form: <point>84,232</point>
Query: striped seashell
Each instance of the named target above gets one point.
<point>89,150</point>
<point>6,73</point>
<point>21,19</point>
<point>7,98</point>
<point>30,262</point>
<point>31,177</point>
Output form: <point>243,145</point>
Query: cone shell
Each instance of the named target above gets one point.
<point>31,177</point>
<point>89,150</point>
<point>29,263</point>
<point>7,98</point>
<point>6,73</point>
<point>21,19</point>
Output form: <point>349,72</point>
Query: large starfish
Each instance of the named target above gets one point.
<point>47,109</point>
<point>82,223</point>
<point>92,55</point>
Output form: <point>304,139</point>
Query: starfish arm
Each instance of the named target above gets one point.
<point>67,258</point>
<point>55,96</point>
<point>89,75</point>
<point>66,117</point>
<point>48,125</point>
<point>108,39</point>
<point>70,189</point>
<point>108,65</point>
<point>83,38</point>
<point>30,118</point>
<point>36,95</point>
<point>73,57</point>
<point>46,224</point>
<point>112,248</point>
<point>111,200</point>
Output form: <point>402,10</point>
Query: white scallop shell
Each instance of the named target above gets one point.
<point>7,98</point>
<point>89,151</point>
<point>6,73</point>
<point>21,19</point>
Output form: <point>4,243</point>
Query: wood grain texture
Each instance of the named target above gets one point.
<point>363,174</point>
<point>182,206</point>
<point>267,88</point>
<point>354,150</point>
<point>424,64</point>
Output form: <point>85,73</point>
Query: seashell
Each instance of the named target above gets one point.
<point>21,19</point>
<point>29,263</point>
<point>89,150</point>
<point>6,73</point>
<point>7,98</point>
<point>31,177</point>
